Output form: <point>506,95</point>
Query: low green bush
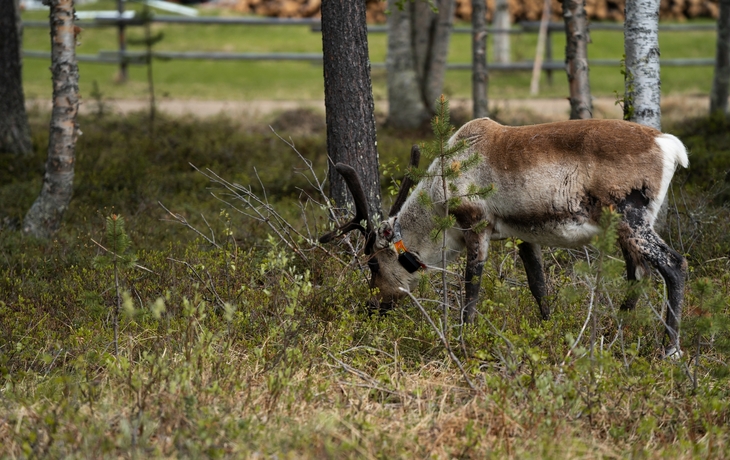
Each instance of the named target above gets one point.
<point>232,344</point>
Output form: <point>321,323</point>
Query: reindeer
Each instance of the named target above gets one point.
<point>551,182</point>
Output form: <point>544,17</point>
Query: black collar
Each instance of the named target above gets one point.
<point>405,257</point>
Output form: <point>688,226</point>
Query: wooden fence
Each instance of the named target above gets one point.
<point>122,56</point>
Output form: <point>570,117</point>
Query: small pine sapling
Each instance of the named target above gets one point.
<point>119,257</point>
<point>450,168</point>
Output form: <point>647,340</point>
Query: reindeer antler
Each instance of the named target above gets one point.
<point>361,206</point>
<point>407,183</point>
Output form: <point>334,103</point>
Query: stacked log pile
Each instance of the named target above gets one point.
<point>521,10</point>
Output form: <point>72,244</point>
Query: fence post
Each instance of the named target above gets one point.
<point>549,55</point>
<point>122,43</point>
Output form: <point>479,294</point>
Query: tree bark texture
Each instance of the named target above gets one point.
<point>406,106</point>
<point>44,217</point>
<point>576,58</point>
<point>14,128</point>
<point>418,39</point>
<point>479,75</point>
<point>721,79</point>
<point>348,97</point>
<point>642,81</point>
<point>501,41</point>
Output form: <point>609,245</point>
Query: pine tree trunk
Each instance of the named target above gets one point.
<point>406,108</point>
<point>14,128</point>
<point>576,58</point>
<point>479,75</point>
<point>348,98</point>
<point>642,82</point>
<point>44,217</point>
<point>418,42</point>
<point>721,80</point>
<point>501,41</point>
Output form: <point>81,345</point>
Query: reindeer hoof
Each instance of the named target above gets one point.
<point>673,353</point>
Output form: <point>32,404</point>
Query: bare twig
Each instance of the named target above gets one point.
<point>181,219</point>
<point>583,329</point>
<point>370,382</point>
<point>441,336</point>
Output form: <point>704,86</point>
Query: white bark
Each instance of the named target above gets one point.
<point>501,41</point>
<point>44,217</point>
<point>641,45</point>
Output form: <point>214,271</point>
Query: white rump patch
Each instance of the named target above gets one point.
<point>674,153</point>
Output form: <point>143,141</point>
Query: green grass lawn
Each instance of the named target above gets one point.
<point>252,80</point>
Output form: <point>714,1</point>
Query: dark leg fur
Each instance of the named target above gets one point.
<point>476,255</point>
<point>642,243</point>
<point>632,296</point>
<point>531,256</point>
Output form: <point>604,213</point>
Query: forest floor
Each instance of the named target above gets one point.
<point>537,110</point>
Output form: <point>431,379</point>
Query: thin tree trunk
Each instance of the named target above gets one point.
<point>501,41</point>
<point>44,217</point>
<point>540,49</point>
<point>406,107</point>
<point>348,97</point>
<point>122,41</point>
<point>642,79</point>
<point>642,82</point>
<point>479,75</point>
<point>576,58</point>
<point>431,60</point>
<point>721,80</point>
<point>14,128</point>
<point>418,45</point>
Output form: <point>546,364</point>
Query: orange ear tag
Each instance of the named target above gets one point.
<point>400,248</point>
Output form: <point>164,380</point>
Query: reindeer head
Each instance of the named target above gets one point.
<point>392,267</point>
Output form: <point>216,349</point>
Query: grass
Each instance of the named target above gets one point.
<point>243,349</point>
<point>251,80</point>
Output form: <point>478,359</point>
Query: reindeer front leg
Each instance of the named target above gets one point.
<point>531,255</point>
<point>477,246</point>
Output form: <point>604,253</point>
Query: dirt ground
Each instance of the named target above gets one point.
<point>531,110</point>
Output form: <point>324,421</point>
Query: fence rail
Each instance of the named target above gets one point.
<point>141,58</point>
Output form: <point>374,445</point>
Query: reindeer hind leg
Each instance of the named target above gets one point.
<point>642,243</point>
<point>633,263</point>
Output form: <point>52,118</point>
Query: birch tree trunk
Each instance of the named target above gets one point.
<point>479,75</point>
<point>721,80</point>
<point>348,97</point>
<point>424,35</point>
<point>501,41</point>
<point>576,58</point>
<point>14,128</point>
<point>642,81</point>
<point>44,217</point>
